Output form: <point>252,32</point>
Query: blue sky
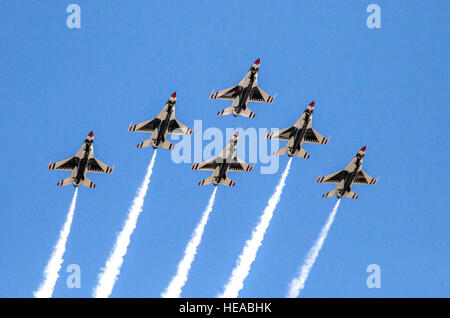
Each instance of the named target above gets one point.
<point>385,88</point>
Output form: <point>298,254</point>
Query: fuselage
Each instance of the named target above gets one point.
<point>222,170</point>
<point>348,181</point>
<point>83,162</point>
<point>163,126</point>
<point>222,173</point>
<point>244,95</point>
<point>300,134</point>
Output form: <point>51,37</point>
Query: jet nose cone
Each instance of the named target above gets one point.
<point>174,95</point>
<point>91,134</point>
<point>363,148</point>
<point>311,104</point>
<point>257,61</point>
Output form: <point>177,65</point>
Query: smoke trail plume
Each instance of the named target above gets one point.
<point>51,272</point>
<point>298,283</point>
<point>108,276</point>
<point>248,255</point>
<point>178,281</point>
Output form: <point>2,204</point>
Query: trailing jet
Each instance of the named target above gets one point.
<point>165,123</point>
<point>225,162</point>
<point>82,163</point>
<point>351,174</point>
<point>246,91</point>
<point>298,134</point>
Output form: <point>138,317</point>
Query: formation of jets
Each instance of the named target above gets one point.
<point>246,91</point>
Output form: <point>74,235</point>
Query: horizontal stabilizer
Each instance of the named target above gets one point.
<point>247,113</point>
<point>64,182</point>
<point>351,195</point>
<point>145,143</point>
<point>302,153</point>
<point>206,181</point>
<point>228,182</point>
<point>226,111</point>
<point>167,145</point>
<point>329,194</point>
<point>87,183</point>
<point>281,151</point>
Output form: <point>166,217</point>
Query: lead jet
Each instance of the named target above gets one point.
<point>350,175</point>
<point>80,164</point>
<point>246,91</point>
<point>297,134</point>
<point>163,124</point>
<point>226,161</point>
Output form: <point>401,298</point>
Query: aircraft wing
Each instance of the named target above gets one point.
<point>258,95</point>
<point>364,178</point>
<point>334,177</point>
<point>177,128</point>
<point>206,165</point>
<point>229,93</point>
<point>95,165</point>
<point>67,164</point>
<point>240,165</point>
<point>283,134</point>
<point>146,126</point>
<point>313,136</point>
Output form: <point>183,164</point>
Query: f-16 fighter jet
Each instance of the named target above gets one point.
<point>298,134</point>
<point>246,91</point>
<point>82,163</point>
<point>350,175</point>
<point>226,161</point>
<point>165,123</point>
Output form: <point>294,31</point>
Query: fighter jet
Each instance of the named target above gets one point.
<point>82,163</point>
<point>225,162</point>
<point>165,123</point>
<point>246,91</point>
<point>350,175</point>
<point>298,134</point>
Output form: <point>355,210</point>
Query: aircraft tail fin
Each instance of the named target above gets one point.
<point>64,182</point>
<point>87,183</point>
<point>206,181</point>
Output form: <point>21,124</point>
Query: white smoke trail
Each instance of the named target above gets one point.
<point>51,272</point>
<point>248,255</point>
<point>178,281</point>
<point>298,283</point>
<point>107,278</point>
